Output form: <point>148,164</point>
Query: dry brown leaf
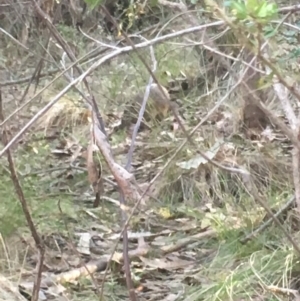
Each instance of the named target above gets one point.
<point>91,167</point>
<point>94,175</point>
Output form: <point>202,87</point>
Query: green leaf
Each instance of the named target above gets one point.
<point>239,9</point>
<point>252,5</point>
<point>262,11</point>
<point>266,10</point>
<point>270,33</point>
<point>93,3</point>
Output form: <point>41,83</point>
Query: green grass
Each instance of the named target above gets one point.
<point>229,270</point>
<point>239,271</point>
<point>225,268</point>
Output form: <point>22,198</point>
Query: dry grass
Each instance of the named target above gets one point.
<point>206,196</point>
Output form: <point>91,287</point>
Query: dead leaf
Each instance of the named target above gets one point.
<point>94,174</point>
<point>91,166</point>
<point>84,244</point>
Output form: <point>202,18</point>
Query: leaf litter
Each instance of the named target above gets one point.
<point>163,252</point>
<point>166,250</point>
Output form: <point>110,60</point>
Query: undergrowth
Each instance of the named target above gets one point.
<point>205,197</point>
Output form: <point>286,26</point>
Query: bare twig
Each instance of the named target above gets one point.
<point>84,266</point>
<point>102,263</point>
<point>253,192</point>
<point>138,198</point>
<point>27,79</point>
<point>284,291</point>
<point>15,40</point>
<point>129,41</point>
<point>288,205</point>
<point>142,110</point>
<point>292,9</point>
<point>282,93</point>
<point>255,99</point>
<point>250,185</point>
<point>72,57</point>
<point>125,183</point>
<point>127,167</point>
<point>18,189</point>
<point>36,95</point>
<point>95,66</point>
<point>175,113</point>
<point>281,89</point>
<point>153,77</point>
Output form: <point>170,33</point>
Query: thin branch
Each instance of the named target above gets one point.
<point>142,109</point>
<point>102,60</point>
<point>287,206</point>
<point>18,189</point>
<point>72,57</point>
<point>253,192</point>
<point>282,94</point>
<point>290,9</point>
<point>129,41</point>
